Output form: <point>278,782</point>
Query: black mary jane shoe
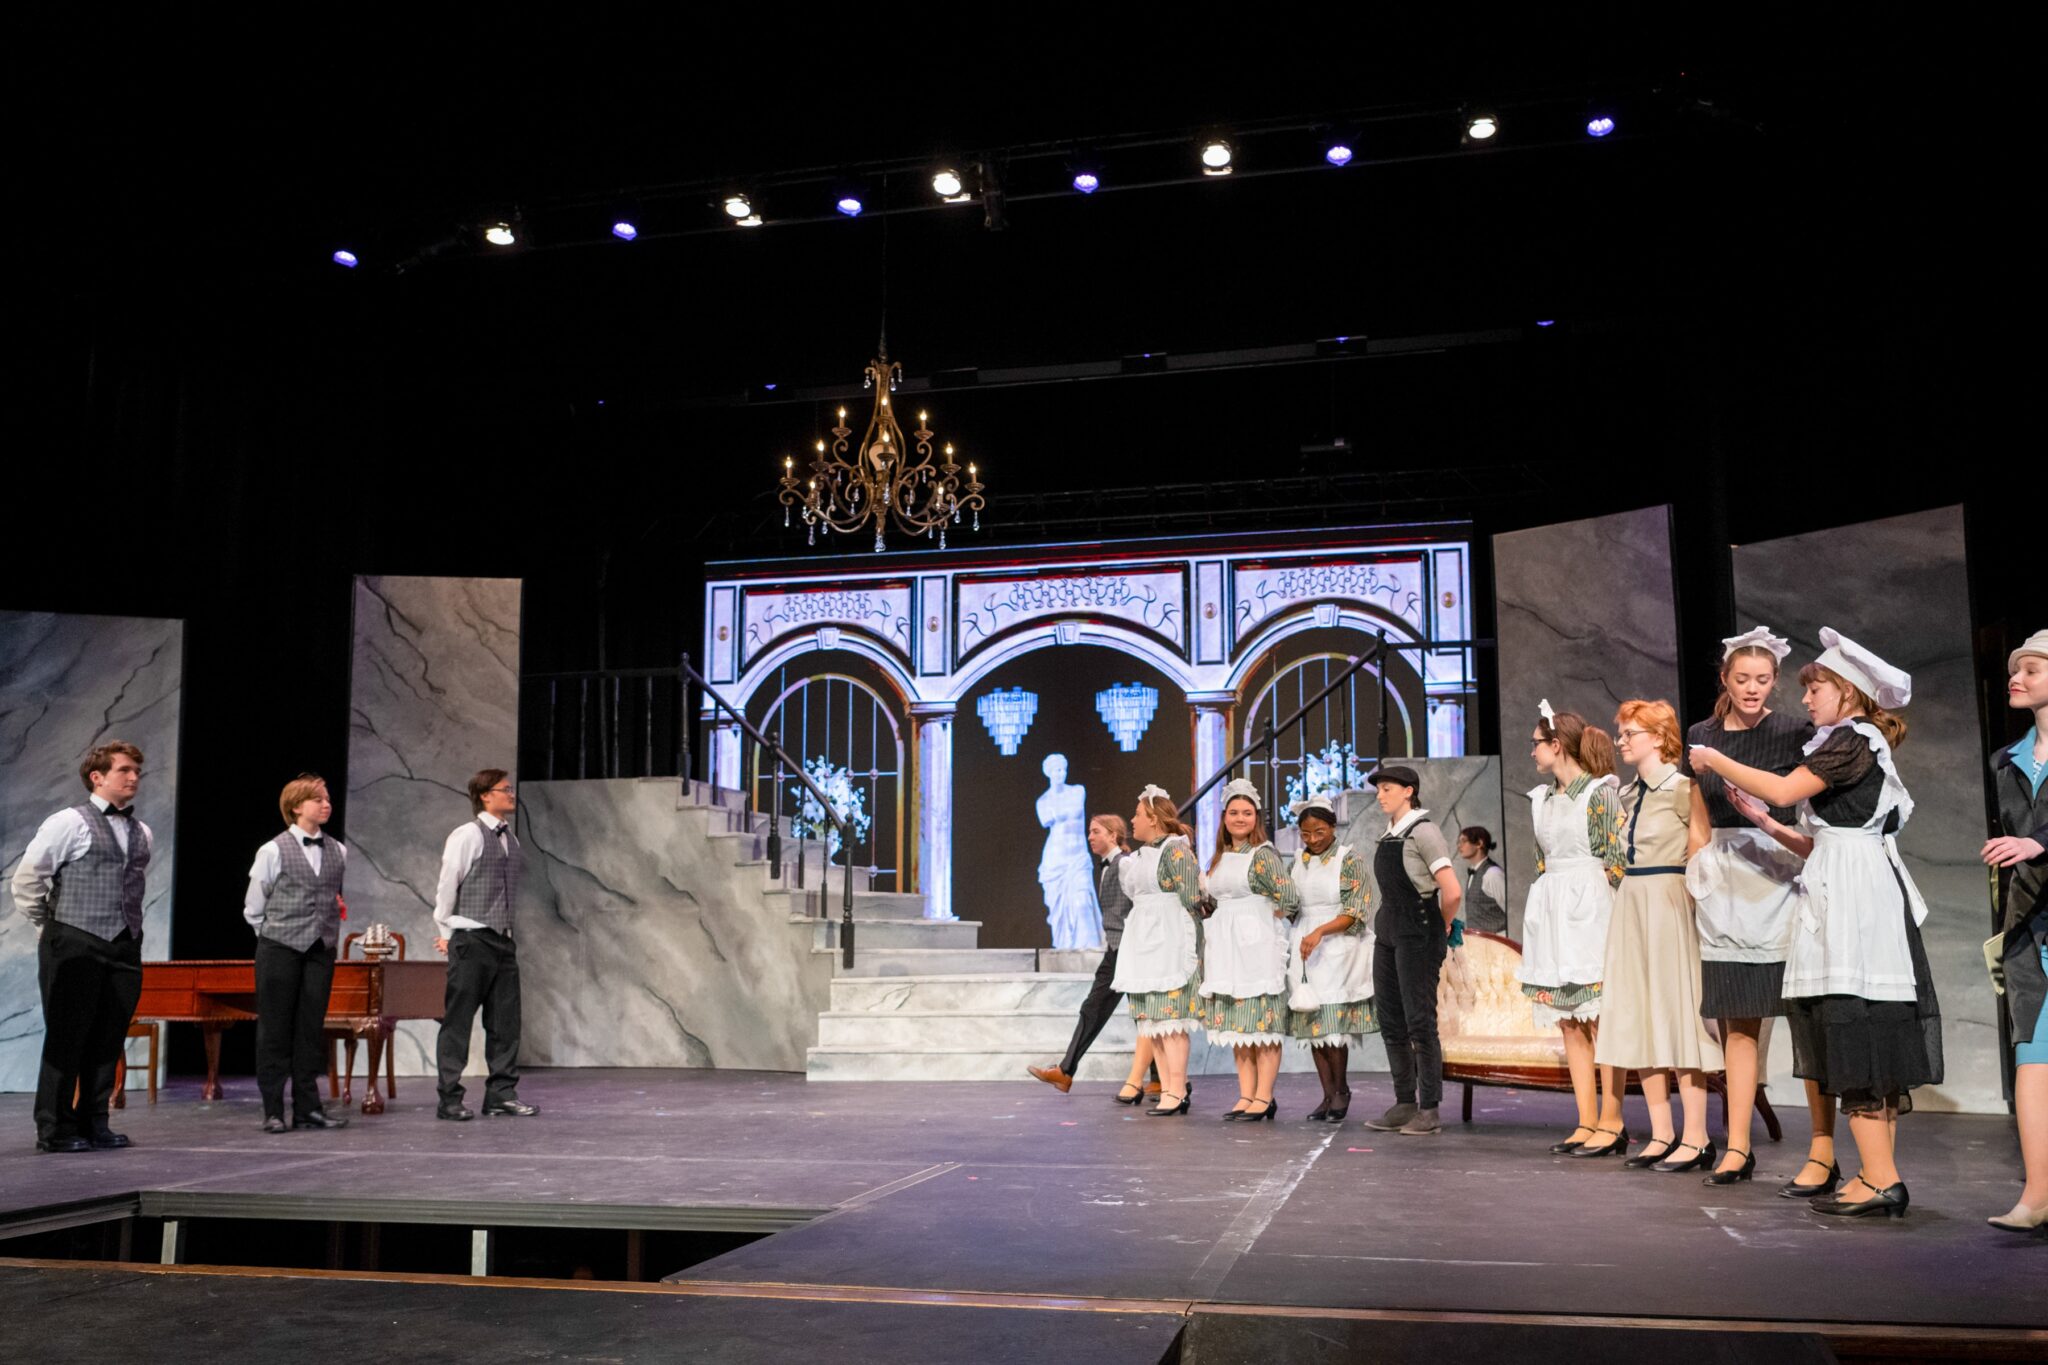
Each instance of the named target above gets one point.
<point>1618,1147</point>
<point>1740,1173</point>
<point>1317,1115</point>
<point>1338,1111</point>
<point>1792,1189</point>
<point>1643,1160</point>
<point>1890,1201</point>
<point>1238,1115</point>
<point>1702,1159</point>
<point>1166,1111</point>
<point>1572,1144</point>
<point>1271,1110</point>
<point>1134,1101</point>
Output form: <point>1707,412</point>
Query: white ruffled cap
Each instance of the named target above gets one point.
<point>1889,687</point>
<point>1238,786</point>
<point>1154,792</point>
<point>2036,645</point>
<point>1327,805</point>
<point>1761,638</point>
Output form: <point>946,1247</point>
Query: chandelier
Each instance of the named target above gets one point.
<point>891,480</point>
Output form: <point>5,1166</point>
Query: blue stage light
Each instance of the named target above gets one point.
<point>1546,322</point>
<point>1087,182</point>
<point>624,230</point>
<point>850,206</point>
<point>346,258</point>
<point>1600,126</point>
<point>1339,154</point>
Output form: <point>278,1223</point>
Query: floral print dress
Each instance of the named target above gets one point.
<point>1254,1019</point>
<point>1345,1023</point>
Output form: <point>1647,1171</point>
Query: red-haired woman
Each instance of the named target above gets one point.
<point>1745,884</point>
<point>1577,821</point>
<point>1858,993</point>
<point>1156,966</point>
<point>1244,963</point>
<point>1650,1018</point>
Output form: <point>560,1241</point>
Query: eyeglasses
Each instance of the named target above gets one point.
<point>1629,733</point>
<point>503,787</point>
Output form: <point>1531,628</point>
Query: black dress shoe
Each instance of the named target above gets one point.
<point>1792,1189</point>
<point>1740,1173</point>
<point>1890,1201</point>
<point>318,1119</point>
<point>454,1113</point>
<point>1618,1147</point>
<point>1560,1148</point>
<point>1702,1158</point>
<point>107,1140</point>
<point>63,1144</point>
<point>274,1124</point>
<point>514,1108</point>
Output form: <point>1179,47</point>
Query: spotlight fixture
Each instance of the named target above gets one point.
<point>624,230</point>
<point>946,185</point>
<point>1600,125</point>
<point>849,206</point>
<point>346,258</point>
<point>1481,125</point>
<point>1216,157</point>
<point>736,206</point>
<point>1338,153</point>
<point>500,234</point>
<point>1087,182</point>
<point>751,220</point>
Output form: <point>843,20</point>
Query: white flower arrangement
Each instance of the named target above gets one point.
<point>848,802</point>
<point>1335,769</point>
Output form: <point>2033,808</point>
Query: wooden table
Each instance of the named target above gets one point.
<point>368,1000</point>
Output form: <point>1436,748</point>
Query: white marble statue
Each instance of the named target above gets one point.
<point>1066,874</point>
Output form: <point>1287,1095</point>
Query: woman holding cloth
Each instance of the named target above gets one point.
<point>1745,884</point>
<point>1244,967</point>
<point>1330,950</point>
<point>1859,996</point>
<point>1155,965</point>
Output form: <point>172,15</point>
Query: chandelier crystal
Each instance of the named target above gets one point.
<point>888,480</point>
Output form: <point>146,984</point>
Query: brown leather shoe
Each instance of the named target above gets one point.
<point>1152,1087</point>
<point>1053,1076</point>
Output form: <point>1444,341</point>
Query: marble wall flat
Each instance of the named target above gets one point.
<point>67,683</point>
<point>1455,791</point>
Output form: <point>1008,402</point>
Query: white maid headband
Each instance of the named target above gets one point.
<point>1308,803</point>
<point>1237,787</point>
<point>1154,792</point>
<point>1760,638</point>
<point>1549,716</point>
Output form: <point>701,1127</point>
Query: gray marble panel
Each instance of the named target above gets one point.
<point>1587,616</point>
<point>646,941</point>
<point>1455,791</point>
<point>1900,587</point>
<point>433,697</point>
<point>66,684</point>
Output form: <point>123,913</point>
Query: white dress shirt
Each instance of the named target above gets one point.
<point>1493,883</point>
<point>458,856</point>
<point>63,838</point>
<point>269,866</point>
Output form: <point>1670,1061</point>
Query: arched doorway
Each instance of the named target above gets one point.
<point>1339,736</point>
<point>849,733</point>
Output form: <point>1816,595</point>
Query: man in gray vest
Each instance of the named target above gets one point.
<point>480,868</point>
<point>294,905</point>
<point>80,884</point>
<point>1486,886</point>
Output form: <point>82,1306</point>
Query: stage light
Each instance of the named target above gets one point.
<point>1599,126</point>
<point>946,184</point>
<point>1087,182</point>
<point>849,206</point>
<point>1338,154</point>
<point>500,234</point>
<point>346,258</point>
<point>1216,157</point>
<point>736,206</point>
<point>1546,322</point>
<point>1480,127</point>
<point>624,230</point>
<point>751,220</point>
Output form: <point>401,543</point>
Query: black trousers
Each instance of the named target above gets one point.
<point>89,985</point>
<point>291,1014</point>
<point>1405,966</point>
<point>1096,1011</point>
<point>483,973</point>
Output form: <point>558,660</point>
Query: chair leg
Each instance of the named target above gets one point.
<point>1467,1106</point>
<point>1771,1124</point>
<point>120,1099</point>
<point>390,1068</point>
<point>333,1071</point>
<point>154,1031</point>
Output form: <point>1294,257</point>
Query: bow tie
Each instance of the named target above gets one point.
<point>314,842</point>
<point>502,830</point>
<point>125,812</point>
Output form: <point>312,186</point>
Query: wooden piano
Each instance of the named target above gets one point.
<point>368,1000</point>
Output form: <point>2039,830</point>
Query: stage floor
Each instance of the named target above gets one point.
<point>1014,1189</point>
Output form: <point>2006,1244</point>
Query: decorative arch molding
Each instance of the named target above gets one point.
<point>1050,634</point>
<point>1319,616</point>
<point>763,667</point>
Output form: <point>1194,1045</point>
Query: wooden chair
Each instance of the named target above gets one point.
<point>151,1031</point>
<point>1490,1035</point>
<point>340,1083</point>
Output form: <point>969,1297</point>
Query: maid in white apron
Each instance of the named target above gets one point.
<point>1156,965</point>
<point>1329,954</point>
<point>1244,953</point>
<point>1577,821</point>
<point>1866,1026</point>
<point>1745,882</point>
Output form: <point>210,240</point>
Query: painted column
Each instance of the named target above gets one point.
<point>934,721</point>
<point>725,756</point>
<point>1212,747</point>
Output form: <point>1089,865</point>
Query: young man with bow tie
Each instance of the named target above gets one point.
<point>480,870</point>
<point>80,884</point>
<point>294,905</point>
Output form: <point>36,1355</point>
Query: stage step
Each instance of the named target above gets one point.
<point>1102,1063</point>
<point>935,961</point>
<point>1014,991</point>
<point>867,905</point>
<point>929,934</point>
<point>1043,1030</point>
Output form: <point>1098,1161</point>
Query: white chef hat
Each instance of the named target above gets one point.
<point>1238,786</point>
<point>1154,792</point>
<point>1761,638</point>
<point>2036,644</point>
<point>1325,806</point>
<point>1887,686</point>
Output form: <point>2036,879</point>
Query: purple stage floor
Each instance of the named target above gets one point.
<point>1016,1189</point>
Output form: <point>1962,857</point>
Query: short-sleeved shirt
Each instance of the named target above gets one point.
<point>1424,852</point>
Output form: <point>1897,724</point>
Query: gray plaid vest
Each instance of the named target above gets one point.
<point>1481,910</point>
<point>491,887</point>
<point>302,909</point>
<point>101,892</point>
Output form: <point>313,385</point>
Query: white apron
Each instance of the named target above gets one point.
<point>1564,921</point>
<point>1746,886</point>
<point>1245,951</point>
<point>1158,948</point>
<point>1848,935</point>
<point>1340,969</point>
